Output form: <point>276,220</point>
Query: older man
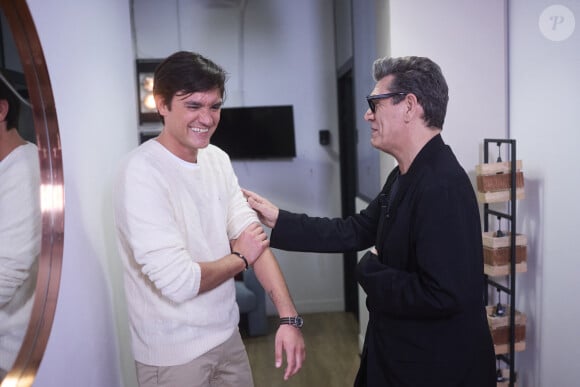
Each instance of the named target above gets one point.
<point>424,273</point>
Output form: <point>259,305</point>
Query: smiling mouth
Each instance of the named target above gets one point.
<point>199,130</point>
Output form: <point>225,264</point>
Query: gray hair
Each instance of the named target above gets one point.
<point>419,76</point>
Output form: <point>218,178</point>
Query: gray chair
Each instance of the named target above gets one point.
<point>251,299</point>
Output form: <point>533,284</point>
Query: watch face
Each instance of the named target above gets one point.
<point>299,322</point>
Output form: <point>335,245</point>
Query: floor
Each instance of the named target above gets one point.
<point>332,356</point>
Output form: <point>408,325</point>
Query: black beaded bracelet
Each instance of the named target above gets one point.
<point>241,256</point>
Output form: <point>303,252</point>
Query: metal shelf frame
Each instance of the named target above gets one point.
<point>509,359</point>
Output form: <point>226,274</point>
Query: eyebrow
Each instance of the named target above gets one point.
<point>199,104</point>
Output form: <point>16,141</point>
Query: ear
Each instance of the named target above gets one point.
<point>4,106</point>
<point>161,106</point>
<point>412,108</point>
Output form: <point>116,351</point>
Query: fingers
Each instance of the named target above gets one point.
<point>294,363</point>
<point>259,234</point>
<point>289,342</point>
<point>254,203</point>
<point>256,232</point>
<point>278,348</point>
<point>254,200</point>
<point>247,193</point>
<point>267,212</point>
<point>252,242</point>
<point>256,229</point>
<point>251,194</point>
<point>294,358</point>
<point>251,197</point>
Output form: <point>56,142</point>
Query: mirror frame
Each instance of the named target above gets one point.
<point>51,198</point>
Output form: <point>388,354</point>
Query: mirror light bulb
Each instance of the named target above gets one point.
<point>149,102</point>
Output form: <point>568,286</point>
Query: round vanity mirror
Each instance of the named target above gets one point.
<point>31,198</point>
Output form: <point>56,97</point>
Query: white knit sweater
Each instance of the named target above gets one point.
<point>171,214</point>
<point>20,232</point>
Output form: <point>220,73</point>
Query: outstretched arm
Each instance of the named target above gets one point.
<point>289,340</point>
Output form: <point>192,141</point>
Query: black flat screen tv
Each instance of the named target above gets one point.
<point>257,132</point>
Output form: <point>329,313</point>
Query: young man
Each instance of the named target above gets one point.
<point>20,229</point>
<point>424,274</point>
<point>185,230</point>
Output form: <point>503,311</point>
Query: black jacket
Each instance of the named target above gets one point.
<point>427,323</point>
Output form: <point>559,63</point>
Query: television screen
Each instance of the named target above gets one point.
<point>259,132</point>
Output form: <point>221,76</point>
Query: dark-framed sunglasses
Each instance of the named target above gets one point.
<point>371,99</point>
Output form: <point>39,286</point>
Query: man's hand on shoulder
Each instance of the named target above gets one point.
<point>267,212</point>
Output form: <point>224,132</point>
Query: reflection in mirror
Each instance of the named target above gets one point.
<point>31,198</point>
<point>20,227</point>
<point>20,219</point>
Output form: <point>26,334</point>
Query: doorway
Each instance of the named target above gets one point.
<point>347,145</point>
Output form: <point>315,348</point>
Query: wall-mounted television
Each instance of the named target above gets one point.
<point>257,132</point>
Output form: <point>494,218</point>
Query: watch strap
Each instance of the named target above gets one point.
<point>295,321</point>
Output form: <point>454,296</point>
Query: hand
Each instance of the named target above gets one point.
<point>251,243</point>
<point>367,269</point>
<point>267,212</point>
<point>289,340</point>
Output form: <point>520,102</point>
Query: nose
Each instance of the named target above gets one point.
<point>205,117</point>
<point>368,114</point>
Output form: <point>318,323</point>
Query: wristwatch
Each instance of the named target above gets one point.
<point>296,321</point>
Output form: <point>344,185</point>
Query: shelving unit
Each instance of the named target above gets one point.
<point>504,253</point>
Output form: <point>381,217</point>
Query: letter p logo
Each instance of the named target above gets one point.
<point>557,23</point>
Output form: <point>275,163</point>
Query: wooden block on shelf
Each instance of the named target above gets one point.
<point>497,253</point>
<point>494,182</point>
<point>499,182</point>
<point>497,271</point>
<point>493,168</point>
<point>502,349</point>
<point>499,328</point>
<point>501,335</point>
<point>490,240</point>
<point>501,256</point>
<point>499,196</point>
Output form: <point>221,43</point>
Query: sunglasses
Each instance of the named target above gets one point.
<point>371,99</point>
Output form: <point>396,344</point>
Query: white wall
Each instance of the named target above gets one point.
<point>90,60</point>
<point>276,52</point>
<point>468,40</point>
<point>544,81</point>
